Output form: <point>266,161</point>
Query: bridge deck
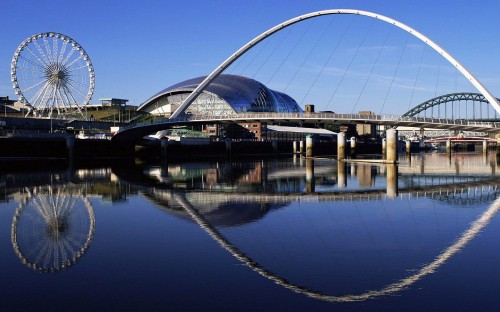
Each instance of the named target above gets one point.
<point>137,131</point>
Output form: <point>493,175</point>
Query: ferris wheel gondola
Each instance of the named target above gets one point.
<point>51,71</point>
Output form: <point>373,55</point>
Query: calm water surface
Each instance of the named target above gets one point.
<point>252,235</point>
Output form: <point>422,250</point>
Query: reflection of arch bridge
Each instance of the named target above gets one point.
<point>137,131</point>
<point>478,191</point>
<point>475,228</point>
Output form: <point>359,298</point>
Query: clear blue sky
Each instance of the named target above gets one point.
<point>140,47</point>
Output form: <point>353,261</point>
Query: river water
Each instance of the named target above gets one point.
<point>252,235</point>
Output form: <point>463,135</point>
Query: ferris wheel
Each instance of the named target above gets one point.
<point>52,72</point>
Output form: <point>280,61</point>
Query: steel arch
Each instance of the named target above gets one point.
<point>452,97</point>
<point>491,99</point>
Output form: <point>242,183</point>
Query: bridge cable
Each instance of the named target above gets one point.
<point>416,78</point>
<point>308,55</point>
<point>272,52</point>
<point>261,48</point>
<point>327,61</point>
<point>348,67</point>
<point>395,73</point>
<point>292,50</point>
<point>371,70</point>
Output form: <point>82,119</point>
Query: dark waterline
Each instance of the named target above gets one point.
<point>246,235</point>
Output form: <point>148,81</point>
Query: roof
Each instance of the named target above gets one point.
<point>242,93</point>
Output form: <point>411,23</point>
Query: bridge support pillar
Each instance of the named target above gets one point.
<point>164,148</point>
<point>448,147</point>
<point>384,147</point>
<point>485,147</point>
<point>228,148</point>
<point>392,145</point>
<point>408,146</point>
<point>274,144</point>
<point>70,146</point>
<point>301,147</point>
<point>294,147</point>
<point>310,183</point>
<point>341,174</point>
<point>309,146</point>
<point>392,181</point>
<point>341,145</point>
<point>353,145</point>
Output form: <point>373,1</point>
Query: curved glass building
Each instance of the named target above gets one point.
<point>227,94</point>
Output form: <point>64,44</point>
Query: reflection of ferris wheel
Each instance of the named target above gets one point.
<point>53,229</point>
<point>52,71</point>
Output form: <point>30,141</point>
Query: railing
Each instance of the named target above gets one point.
<point>389,119</point>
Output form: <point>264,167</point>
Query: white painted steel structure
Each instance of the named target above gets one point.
<point>137,131</point>
<point>491,99</point>
<point>52,71</point>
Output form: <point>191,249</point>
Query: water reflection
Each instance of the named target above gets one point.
<point>52,228</point>
<point>476,227</point>
<point>54,223</point>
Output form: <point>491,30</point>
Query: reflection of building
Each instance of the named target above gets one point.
<point>366,175</point>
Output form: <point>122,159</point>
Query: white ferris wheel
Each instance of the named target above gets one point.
<point>51,72</point>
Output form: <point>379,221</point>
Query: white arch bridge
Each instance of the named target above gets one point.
<point>137,131</point>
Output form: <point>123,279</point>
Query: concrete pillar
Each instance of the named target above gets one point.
<point>384,147</point>
<point>228,148</point>
<point>70,146</point>
<point>274,144</point>
<point>294,147</point>
<point>485,147</point>
<point>310,183</point>
<point>392,181</point>
<point>301,147</point>
<point>448,146</point>
<point>164,147</point>
<point>163,158</point>
<point>309,146</point>
<point>341,175</point>
<point>353,145</point>
<point>392,145</point>
<point>408,146</point>
<point>341,145</point>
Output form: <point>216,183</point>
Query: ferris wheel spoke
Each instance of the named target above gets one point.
<point>74,61</point>
<point>69,84</point>
<point>69,93</point>
<point>45,98</point>
<point>61,98</point>
<point>68,56</point>
<point>55,50</point>
<point>68,100</point>
<point>40,50</point>
<point>32,62</point>
<point>48,49</point>
<point>35,85</point>
<point>31,70</point>
<point>36,57</point>
<point>77,83</point>
<point>37,95</point>
<point>61,52</point>
<point>78,68</point>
